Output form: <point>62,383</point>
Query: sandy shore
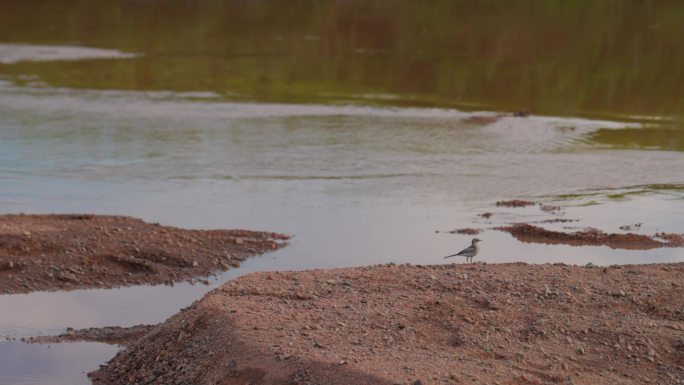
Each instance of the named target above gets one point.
<point>65,252</point>
<point>452,324</point>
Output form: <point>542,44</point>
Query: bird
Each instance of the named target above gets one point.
<point>469,252</point>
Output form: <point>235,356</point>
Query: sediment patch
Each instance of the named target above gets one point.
<point>592,237</point>
<point>65,252</point>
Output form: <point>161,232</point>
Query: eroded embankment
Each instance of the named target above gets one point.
<point>51,252</point>
<point>481,324</point>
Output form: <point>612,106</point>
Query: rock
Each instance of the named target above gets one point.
<point>317,345</point>
<point>195,263</point>
<point>417,382</point>
<point>680,344</point>
<point>589,265</point>
<point>67,277</point>
<point>239,241</point>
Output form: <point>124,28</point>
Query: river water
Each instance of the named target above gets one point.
<point>344,130</point>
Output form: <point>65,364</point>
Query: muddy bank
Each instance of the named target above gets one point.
<point>65,252</point>
<point>450,324</point>
<point>113,335</point>
<point>592,237</point>
<point>464,231</point>
<point>515,203</point>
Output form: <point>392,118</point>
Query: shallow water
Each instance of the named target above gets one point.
<point>59,364</point>
<point>350,125</point>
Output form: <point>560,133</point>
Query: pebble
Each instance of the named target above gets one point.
<point>680,344</point>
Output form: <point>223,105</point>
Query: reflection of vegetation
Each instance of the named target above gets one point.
<point>653,138</point>
<point>552,57</point>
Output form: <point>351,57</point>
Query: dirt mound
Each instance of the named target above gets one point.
<point>480,324</point>
<point>591,237</point>
<point>50,252</point>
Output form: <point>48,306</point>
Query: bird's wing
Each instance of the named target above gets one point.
<point>464,252</point>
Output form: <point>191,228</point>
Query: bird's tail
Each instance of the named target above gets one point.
<point>449,256</point>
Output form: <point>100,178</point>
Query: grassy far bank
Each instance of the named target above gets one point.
<point>572,58</point>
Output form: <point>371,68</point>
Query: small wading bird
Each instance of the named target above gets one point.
<point>469,252</point>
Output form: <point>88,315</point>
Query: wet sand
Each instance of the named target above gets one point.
<point>449,324</point>
<point>66,252</point>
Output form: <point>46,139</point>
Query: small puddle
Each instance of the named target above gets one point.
<point>48,313</point>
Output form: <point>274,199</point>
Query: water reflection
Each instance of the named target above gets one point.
<point>668,139</point>
<point>581,58</point>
